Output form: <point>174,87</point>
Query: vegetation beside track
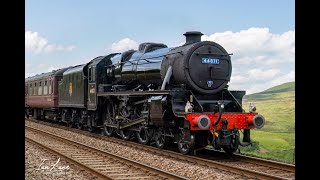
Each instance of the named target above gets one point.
<point>276,140</point>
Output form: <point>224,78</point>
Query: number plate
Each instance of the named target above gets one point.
<point>210,61</point>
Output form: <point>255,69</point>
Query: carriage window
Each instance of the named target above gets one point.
<point>40,89</point>
<point>35,89</point>
<point>45,88</point>
<point>30,90</point>
<point>50,85</point>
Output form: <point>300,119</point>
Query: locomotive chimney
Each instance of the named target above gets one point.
<point>193,37</point>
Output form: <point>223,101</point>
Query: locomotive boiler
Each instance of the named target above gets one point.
<point>204,67</point>
<point>157,94</point>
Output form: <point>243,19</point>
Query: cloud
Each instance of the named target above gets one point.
<point>257,80</point>
<point>257,74</point>
<point>254,75</point>
<point>260,59</point>
<point>284,78</point>
<point>34,43</point>
<point>124,45</point>
<point>257,46</point>
<point>38,69</point>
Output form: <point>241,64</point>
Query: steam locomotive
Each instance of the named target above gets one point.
<point>156,94</point>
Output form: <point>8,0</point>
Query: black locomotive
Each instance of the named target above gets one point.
<point>160,94</point>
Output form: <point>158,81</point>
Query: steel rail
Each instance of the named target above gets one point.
<point>198,160</point>
<point>156,171</point>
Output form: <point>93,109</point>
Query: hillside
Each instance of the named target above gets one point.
<point>277,105</point>
<point>276,138</point>
<point>280,91</point>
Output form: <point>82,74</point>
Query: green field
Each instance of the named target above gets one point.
<point>276,140</point>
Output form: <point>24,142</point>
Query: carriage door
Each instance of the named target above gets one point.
<point>92,88</point>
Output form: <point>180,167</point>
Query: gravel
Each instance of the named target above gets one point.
<point>40,164</point>
<point>179,167</point>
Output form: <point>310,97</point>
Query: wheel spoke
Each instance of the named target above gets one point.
<point>161,139</point>
<point>185,147</point>
<point>109,114</point>
<point>143,135</point>
<point>146,134</point>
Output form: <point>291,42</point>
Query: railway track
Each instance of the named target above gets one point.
<point>264,162</point>
<point>100,163</point>
<point>275,169</point>
<point>251,167</point>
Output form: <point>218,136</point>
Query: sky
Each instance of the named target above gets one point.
<point>260,34</point>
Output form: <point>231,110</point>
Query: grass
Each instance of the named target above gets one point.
<point>276,140</point>
<point>273,145</point>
